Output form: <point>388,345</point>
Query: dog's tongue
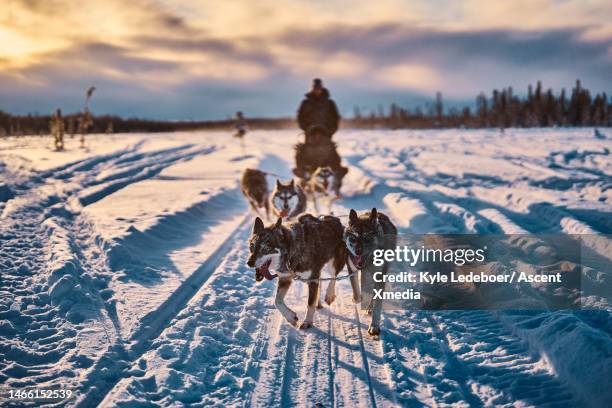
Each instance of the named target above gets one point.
<point>284,212</point>
<point>264,271</point>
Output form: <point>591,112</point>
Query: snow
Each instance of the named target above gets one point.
<point>124,272</point>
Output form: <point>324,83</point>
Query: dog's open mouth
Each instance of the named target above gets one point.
<point>284,212</point>
<point>358,261</point>
<point>264,272</point>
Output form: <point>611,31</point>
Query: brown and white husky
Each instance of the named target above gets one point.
<point>287,200</point>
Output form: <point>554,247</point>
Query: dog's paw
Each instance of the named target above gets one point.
<point>319,305</point>
<point>368,310</point>
<point>305,325</point>
<point>374,330</point>
<point>329,298</point>
<point>292,318</point>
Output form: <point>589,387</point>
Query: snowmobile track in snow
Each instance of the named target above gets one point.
<point>216,338</point>
<point>154,323</point>
<point>30,213</point>
<point>366,366</point>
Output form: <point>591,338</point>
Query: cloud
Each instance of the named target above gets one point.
<point>182,59</point>
<point>394,42</point>
<point>409,76</point>
<point>242,50</point>
<point>426,59</point>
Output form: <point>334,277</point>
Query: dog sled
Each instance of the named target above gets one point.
<point>310,156</point>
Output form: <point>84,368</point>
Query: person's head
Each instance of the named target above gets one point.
<point>239,114</point>
<point>317,87</point>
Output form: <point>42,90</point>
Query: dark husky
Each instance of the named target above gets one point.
<point>365,233</point>
<point>288,200</point>
<point>255,188</point>
<point>301,249</point>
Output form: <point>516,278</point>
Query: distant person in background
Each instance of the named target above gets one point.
<point>318,112</point>
<point>241,128</point>
<point>57,130</point>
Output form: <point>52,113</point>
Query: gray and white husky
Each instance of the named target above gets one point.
<point>364,234</point>
<point>324,184</point>
<point>288,200</point>
<point>254,186</point>
<point>300,248</point>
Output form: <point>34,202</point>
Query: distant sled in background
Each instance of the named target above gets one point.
<point>319,153</point>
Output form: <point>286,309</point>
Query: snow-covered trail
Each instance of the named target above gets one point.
<point>148,242</point>
<point>55,280</point>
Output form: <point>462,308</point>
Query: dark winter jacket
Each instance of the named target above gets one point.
<point>318,111</point>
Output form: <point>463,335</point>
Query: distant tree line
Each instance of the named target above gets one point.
<point>502,109</point>
<point>15,125</point>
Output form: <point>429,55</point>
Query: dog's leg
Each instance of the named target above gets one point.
<point>374,329</point>
<point>356,289</point>
<point>354,282</point>
<point>254,207</point>
<point>319,304</point>
<point>267,207</point>
<point>314,204</point>
<point>313,298</point>
<point>338,263</point>
<point>368,285</point>
<point>330,293</point>
<point>279,301</point>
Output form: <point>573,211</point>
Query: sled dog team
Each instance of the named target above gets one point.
<point>289,199</point>
<point>298,245</point>
<point>301,248</point>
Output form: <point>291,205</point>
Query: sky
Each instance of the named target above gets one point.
<point>190,59</point>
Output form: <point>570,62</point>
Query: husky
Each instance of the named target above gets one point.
<point>255,188</point>
<point>324,183</point>
<point>287,200</point>
<point>297,249</point>
<point>364,234</point>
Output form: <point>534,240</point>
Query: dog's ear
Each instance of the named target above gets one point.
<point>353,217</point>
<point>258,226</point>
<point>278,183</point>
<point>292,184</point>
<point>374,215</point>
<point>279,222</point>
